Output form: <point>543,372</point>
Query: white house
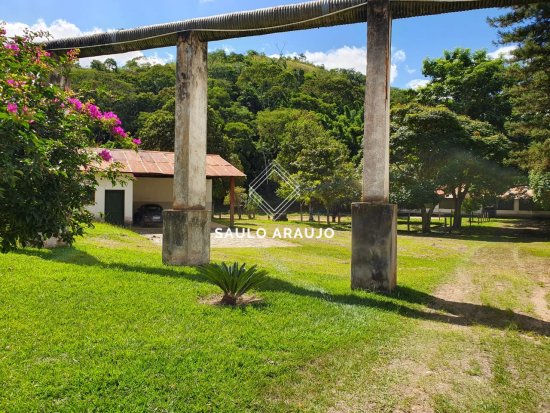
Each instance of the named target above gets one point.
<point>150,181</point>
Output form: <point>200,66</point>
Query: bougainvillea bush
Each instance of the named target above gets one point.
<point>47,170</point>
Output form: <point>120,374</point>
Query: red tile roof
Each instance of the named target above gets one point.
<point>162,163</point>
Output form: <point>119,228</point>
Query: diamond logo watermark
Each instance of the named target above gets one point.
<point>273,170</point>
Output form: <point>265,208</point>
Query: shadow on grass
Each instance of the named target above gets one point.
<point>412,303</point>
<point>515,231</point>
<point>71,255</point>
<point>403,300</point>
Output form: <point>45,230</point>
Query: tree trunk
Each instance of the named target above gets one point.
<point>427,211</point>
<point>457,215</point>
<point>301,212</point>
<point>229,299</point>
<point>311,217</point>
<point>425,220</point>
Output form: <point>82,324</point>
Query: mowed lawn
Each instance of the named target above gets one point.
<point>104,326</point>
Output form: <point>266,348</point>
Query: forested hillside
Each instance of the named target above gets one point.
<point>479,126</point>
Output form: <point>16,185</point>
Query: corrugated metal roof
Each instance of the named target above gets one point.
<point>162,163</point>
<point>320,13</point>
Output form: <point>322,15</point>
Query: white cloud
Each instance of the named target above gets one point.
<point>399,56</point>
<point>346,57</point>
<point>503,51</point>
<point>343,58</point>
<point>417,83</point>
<point>409,70</point>
<point>60,28</point>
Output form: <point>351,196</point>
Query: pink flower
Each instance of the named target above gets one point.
<point>106,155</point>
<point>12,107</point>
<point>11,82</point>
<point>136,141</point>
<point>110,115</point>
<point>12,46</point>
<point>117,130</point>
<point>94,111</point>
<point>76,103</point>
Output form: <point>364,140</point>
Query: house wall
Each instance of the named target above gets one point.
<point>98,207</point>
<point>505,213</point>
<point>159,190</point>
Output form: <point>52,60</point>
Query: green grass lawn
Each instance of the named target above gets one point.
<point>104,326</point>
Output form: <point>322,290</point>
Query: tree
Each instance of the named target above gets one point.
<point>468,83</point>
<point>156,130</point>
<point>528,27</point>
<point>47,170</point>
<point>271,127</point>
<point>98,65</point>
<point>111,64</point>
<point>420,139</point>
<point>318,162</point>
<point>434,149</point>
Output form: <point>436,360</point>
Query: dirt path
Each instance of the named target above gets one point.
<point>451,363</point>
<point>235,242</point>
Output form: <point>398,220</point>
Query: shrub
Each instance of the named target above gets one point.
<point>46,171</point>
<point>234,280</point>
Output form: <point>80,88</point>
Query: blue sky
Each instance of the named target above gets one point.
<point>343,46</point>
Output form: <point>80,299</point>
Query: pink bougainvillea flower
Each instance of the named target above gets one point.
<point>107,116</point>
<point>12,107</point>
<point>94,111</point>
<point>11,82</point>
<point>137,141</point>
<point>12,46</point>
<point>117,130</point>
<point>76,103</point>
<point>106,155</point>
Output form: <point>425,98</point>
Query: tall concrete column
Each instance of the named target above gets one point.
<point>186,232</point>
<point>374,220</point>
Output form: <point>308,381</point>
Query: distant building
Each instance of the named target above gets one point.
<point>151,181</point>
<point>517,202</point>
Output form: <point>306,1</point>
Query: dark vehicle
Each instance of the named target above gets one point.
<point>148,214</point>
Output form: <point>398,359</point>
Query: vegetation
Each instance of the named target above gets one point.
<point>46,170</point>
<point>433,148</point>
<point>529,91</point>
<point>234,280</point>
<point>104,326</point>
<point>311,121</point>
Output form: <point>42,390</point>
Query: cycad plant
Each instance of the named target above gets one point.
<point>233,279</point>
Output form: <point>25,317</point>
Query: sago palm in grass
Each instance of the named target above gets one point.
<point>233,279</point>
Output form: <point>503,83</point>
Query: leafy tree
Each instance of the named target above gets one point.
<point>468,83</point>
<point>98,65</point>
<point>156,130</point>
<point>434,149</point>
<point>47,170</point>
<point>271,126</point>
<point>316,161</point>
<point>528,27</point>
<point>111,64</point>
<point>342,88</point>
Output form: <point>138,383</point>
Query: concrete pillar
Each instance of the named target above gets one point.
<point>374,220</point>
<point>186,232</point>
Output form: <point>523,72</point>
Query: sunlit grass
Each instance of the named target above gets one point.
<point>104,326</point>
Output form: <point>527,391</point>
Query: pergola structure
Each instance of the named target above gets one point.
<point>186,229</point>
